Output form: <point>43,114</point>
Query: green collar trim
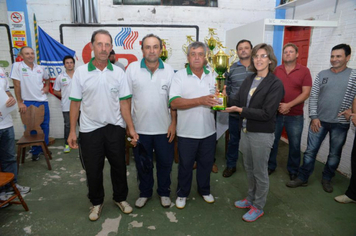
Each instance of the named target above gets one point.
<point>91,67</point>
<point>160,65</point>
<point>189,71</point>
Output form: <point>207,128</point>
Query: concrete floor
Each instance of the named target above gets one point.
<point>59,206</point>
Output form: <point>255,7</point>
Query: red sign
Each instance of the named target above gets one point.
<point>16,17</point>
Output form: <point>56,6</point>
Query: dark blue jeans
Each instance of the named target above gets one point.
<point>338,134</point>
<point>7,151</point>
<point>232,153</point>
<point>164,153</point>
<point>66,126</point>
<point>202,151</point>
<point>294,128</point>
<point>44,126</point>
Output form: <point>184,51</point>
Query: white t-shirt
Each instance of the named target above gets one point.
<point>5,122</point>
<point>197,122</point>
<point>150,111</point>
<point>100,93</point>
<point>63,84</point>
<point>31,81</point>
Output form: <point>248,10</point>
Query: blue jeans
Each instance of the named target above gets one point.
<point>338,133</point>
<point>294,128</point>
<point>7,151</point>
<point>232,153</point>
<point>66,126</point>
<point>164,153</point>
<point>44,126</point>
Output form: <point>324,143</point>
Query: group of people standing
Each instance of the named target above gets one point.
<point>152,104</point>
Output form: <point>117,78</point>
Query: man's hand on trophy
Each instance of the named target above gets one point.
<point>209,100</point>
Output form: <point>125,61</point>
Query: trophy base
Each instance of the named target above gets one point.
<point>218,108</point>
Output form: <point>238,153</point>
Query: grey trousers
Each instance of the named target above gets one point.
<point>256,148</point>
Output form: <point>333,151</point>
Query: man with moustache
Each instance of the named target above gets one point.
<point>234,78</point>
<point>332,94</point>
<point>297,83</point>
<point>150,80</point>
<point>101,92</point>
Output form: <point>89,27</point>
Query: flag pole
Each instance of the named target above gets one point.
<point>36,39</point>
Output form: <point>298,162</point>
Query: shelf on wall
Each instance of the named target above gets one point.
<point>293,4</point>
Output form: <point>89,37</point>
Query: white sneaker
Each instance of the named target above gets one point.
<point>165,202</point>
<point>141,202</point>
<point>344,199</point>
<point>95,212</point>
<point>22,190</point>
<point>209,198</point>
<point>4,197</point>
<point>124,207</point>
<point>180,202</point>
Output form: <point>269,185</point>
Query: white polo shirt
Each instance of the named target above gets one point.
<point>197,122</point>
<point>100,93</point>
<point>150,111</point>
<point>5,122</point>
<point>31,81</point>
<point>63,84</point>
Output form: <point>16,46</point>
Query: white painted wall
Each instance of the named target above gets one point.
<point>230,14</point>
<point>322,40</point>
<point>51,14</point>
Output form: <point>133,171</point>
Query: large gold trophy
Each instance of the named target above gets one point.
<point>220,63</point>
<point>166,50</point>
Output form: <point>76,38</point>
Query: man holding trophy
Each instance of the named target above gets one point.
<point>192,94</point>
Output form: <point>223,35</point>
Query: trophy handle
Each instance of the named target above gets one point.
<point>209,58</point>
<point>233,54</point>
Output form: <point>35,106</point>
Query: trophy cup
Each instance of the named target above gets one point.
<point>165,52</point>
<point>220,63</point>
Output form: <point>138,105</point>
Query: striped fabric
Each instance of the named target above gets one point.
<point>346,103</point>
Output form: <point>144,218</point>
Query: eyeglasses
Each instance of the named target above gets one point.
<point>262,56</point>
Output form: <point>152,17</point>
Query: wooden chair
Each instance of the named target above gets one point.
<point>6,178</point>
<point>32,120</point>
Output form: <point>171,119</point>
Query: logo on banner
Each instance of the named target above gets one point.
<point>126,38</point>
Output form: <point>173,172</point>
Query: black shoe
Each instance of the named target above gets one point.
<point>327,186</point>
<point>297,183</point>
<point>270,171</point>
<point>293,176</point>
<point>35,157</point>
<point>229,171</point>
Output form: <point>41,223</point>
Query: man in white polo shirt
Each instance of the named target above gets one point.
<point>101,92</point>
<point>28,79</point>
<point>149,81</point>
<point>7,141</point>
<point>192,94</point>
<point>61,89</point>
